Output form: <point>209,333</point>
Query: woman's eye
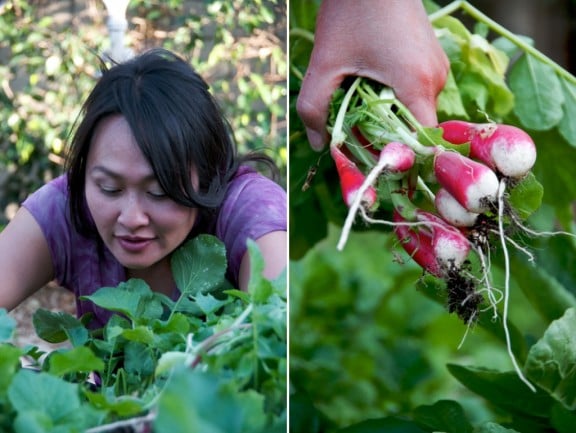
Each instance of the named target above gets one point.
<point>157,194</point>
<point>109,190</point>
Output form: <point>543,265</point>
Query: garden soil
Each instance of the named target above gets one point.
<point>51,297</point>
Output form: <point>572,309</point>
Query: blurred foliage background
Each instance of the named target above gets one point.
<point>49,62</point>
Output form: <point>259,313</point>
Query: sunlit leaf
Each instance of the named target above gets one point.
<point>199,265</point>
<point>551,360</point>
<point>538,93</point>
<point>76,360</point>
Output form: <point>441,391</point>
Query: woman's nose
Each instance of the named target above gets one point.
<point>132,213</point>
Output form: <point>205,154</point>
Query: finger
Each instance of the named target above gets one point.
<point>313,103</point>
<point>420,102</point>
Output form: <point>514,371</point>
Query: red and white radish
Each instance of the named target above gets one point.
<point>457,131</point>
<point>472,184</point>
<point>418,245</point>
<point>505,148</point>
<point>351,179</point>
<point>396,157</point>
<point>450,246</point>
<point>452,211</point>
<point>434,244</point>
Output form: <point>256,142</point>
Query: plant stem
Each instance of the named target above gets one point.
<point>338,135</point>
<point>502,31</point>
<point>393,122</point>
<point>132,422</point>
<point>302,34</point>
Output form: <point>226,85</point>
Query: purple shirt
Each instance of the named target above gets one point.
<point>254,206</point>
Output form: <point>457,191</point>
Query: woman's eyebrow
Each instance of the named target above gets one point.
<point>118,176</point>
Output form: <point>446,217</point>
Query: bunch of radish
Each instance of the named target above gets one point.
<point>448,186</point>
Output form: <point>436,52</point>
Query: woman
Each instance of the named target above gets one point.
<point>151,165</point>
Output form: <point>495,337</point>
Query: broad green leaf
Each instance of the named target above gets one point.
<point>567,125</point>
<point>388,425</point>
<point>77,360</point>
<point>7,326</point>
<point>510,48</point>
<point>177,323</point>
<point>199,265</point>
<point>475,94</point>
<point>554,170</point>
<point>556,254</point>
<point>546,294</point>
<point>56,327</point>
<point>123,406</point>
<point>260,288</point>
<point>538,93</point>
<point>526,196</point>
<point>140,334</point>
<point>551,360</point>
<point>139,359</point>
<point>219,408</point>
<point>42,392</point>
<point>498,59</point>
<point>33,421</point>
<point>208,303</point>
<point>562,419</point>
<point>479,70</point>
<point>504,390</point>
<point>450,101</point>
<point>134,298</point>
<point>444,415</point>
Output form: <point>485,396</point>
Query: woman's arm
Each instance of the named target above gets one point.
<point>273,247</point>
<point>25,261</point>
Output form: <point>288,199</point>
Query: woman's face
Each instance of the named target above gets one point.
<point>138,223</point>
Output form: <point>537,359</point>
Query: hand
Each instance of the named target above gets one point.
<point>389,41</point>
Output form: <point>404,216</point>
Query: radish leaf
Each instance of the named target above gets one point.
<point>78,359</point>
<point>526,196</point>
<point>503,389</point>
<point>444,415</point>
<point>538,93</point>
<point>567,125</point>
<point>199,265</point>
<point>551,360</point>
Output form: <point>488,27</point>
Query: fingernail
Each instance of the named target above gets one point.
<point>316,140</point>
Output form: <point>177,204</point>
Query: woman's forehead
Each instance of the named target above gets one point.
<point>114,147</point>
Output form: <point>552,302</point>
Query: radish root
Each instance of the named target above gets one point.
<point>519,372</point>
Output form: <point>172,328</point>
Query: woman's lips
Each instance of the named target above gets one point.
<point>134,244</point>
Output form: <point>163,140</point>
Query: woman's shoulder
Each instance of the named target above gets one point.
<point>249,182</point>
<point>51,197</point>
<point>252,202</point>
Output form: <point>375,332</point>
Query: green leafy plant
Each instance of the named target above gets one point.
<point>368,352</point>
<point>212,360</point>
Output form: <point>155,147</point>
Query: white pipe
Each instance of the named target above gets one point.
<point>117,25</point>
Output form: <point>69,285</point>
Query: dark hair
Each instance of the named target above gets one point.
<point>176,122</point>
